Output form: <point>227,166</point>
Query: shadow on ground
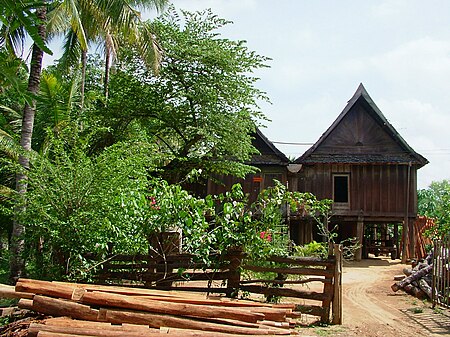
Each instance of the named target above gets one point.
<point>435,321</point>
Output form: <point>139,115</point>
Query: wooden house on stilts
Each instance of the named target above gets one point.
<point>369,171</point>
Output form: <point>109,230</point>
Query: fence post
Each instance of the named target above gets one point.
<point>328,289</point>
<point>234,257</point>
<point>337,294</point>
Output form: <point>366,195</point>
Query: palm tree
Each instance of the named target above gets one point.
<point>17,243</point>
<point>17,19</point>
<point>102,21</point>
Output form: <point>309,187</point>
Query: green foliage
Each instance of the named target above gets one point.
<point>79,205</point>
<point>318,249</point>
<point>434,202</point>
<point>75,202</point>
<point>203,99</point>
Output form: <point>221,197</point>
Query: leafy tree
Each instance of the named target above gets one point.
<point>202,102</point>
<point>76,203</point>
<point>434,202</point>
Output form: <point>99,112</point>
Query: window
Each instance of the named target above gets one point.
<point>340,188</point>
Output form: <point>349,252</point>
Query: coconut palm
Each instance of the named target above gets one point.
<point>105,22</point>
<point>18,18</point>
<point>36,28</point>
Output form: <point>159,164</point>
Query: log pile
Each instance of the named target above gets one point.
<point>95,310</point>
<point>416,281</point>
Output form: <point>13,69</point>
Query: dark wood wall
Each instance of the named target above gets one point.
<point>252,184</point>
<point>380,191</point>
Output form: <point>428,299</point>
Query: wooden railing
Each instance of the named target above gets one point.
<point>231,275</point>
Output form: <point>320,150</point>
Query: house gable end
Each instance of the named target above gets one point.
<point>361,134</point>
<point>268,153</point>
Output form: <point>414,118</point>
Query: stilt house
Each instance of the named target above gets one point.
<point>363,164</point>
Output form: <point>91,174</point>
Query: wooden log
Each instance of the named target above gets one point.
<point>408,288</point>
<point>112,331</point>
<point>66,286</point>
<point>137,291</point>
<point>399,277</point>
<point>60,334</point>
<point>156,320</point>
<point>196,333</point>
<point>7,291</point>
<point>425,287</point>
<point>407,271</point>
<point>209,302</point>
<point>272,314</point>
<point>281,325</point>
<point>414,276</point>
<point>58,307</point>
<point>69,322</point>
<point>126,302</point>
<point>44,288</point>
<point>25,303</point>
<point>283,306</point>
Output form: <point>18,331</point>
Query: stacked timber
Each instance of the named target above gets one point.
<point>416,281</point>
<point>95,310</point>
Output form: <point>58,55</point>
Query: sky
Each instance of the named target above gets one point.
<point>322,50</point>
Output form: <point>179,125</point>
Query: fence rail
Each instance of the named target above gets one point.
<point>441,272</point>
<point>231,276</point>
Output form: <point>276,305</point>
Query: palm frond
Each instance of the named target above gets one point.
<point>6,192</point>
<point>71,50</point>
<point>149,49</point>
<point>21,14</point>
<point>9,146</point>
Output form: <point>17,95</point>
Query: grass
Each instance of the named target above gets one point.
<point>324,330</point>
<point>416,310</point>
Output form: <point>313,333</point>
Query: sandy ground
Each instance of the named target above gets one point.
<point>372,309</point>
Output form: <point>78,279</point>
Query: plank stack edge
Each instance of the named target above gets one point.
<point>99,310</point>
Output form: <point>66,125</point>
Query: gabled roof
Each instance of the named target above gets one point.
<point>361,103</point>
<point>269,154</point>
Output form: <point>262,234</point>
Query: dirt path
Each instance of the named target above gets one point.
<point>372,309</point>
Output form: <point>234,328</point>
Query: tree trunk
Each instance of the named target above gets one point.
<point>107,69</point>
<point>17,264</point>
<point>83,76</point>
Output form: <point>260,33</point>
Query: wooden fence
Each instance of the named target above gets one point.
<point>288,277</point>
<point>441,272</point>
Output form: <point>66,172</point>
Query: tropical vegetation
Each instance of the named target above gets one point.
<point>434,202</point>
<point>95,149</point>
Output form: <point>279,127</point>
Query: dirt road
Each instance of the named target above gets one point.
<point>372,309</point>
